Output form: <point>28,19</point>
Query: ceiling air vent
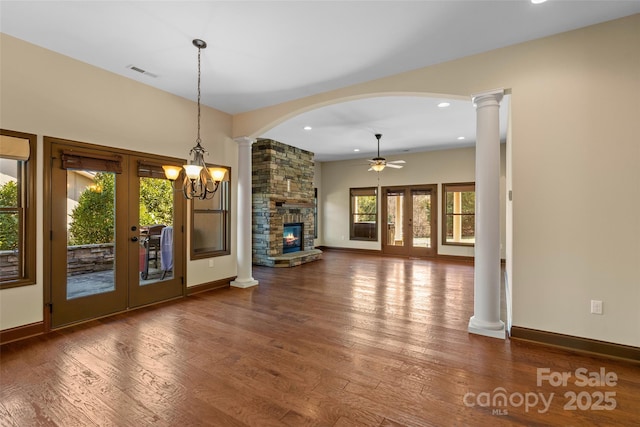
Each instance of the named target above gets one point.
<point>141,71</point>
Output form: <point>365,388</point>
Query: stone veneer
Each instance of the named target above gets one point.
<point>81,259</point>
<point>282,192</point>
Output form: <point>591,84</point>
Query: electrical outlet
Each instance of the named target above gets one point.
<point>210,263</point>
<point>596,307</point>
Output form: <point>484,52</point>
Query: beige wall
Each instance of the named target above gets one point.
<point>575,169</point>
<point>317,183</point>
<point>48,94</point>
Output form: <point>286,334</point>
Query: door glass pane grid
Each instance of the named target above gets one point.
<point>90,233</point>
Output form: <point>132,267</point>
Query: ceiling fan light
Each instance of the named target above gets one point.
<point>377,167</point>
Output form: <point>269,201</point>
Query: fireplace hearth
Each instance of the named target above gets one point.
<point>292,237</point>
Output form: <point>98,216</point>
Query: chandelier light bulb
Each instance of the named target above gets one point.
<point>217,173</point>
<point>193,171</point>
<point>171,172</point>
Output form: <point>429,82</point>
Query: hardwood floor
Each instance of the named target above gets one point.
<point>351,340</point>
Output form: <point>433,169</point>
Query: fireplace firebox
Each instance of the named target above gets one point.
<point>292,237</point>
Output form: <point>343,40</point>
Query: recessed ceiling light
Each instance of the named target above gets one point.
<point>356,149</point>
<point>461,138</point>
<point>444,104</point>
<point>307,128</point>
<point>538,1</point>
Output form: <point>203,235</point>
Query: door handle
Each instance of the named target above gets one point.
<point>134,239</point>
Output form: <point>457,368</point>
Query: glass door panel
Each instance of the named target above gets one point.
<point>90,233</point>
<point>88,201</point>
<point>155,235</point>
<point>421,219</point>
<point>395,218</point>
<point>156,230</point>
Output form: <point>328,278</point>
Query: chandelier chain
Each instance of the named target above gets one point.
<point>198,138</point>
<point>200,180</point>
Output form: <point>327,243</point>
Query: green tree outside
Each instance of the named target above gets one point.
<point>156,201</point>
<point>92,221</point>
<point>9,221</point>
<point>365,208</point>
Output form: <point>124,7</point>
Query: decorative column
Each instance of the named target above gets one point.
<point>244,278</point>
<point>486,303</point>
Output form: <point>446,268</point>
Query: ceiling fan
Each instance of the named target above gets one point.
<point>379,163</point>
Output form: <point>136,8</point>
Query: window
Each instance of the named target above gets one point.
<point>364,214</point>
<point>17,209</point>
<point>211,222</point>
<point>459,207</point>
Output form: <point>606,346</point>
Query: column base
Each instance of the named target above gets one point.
<point>493,330</point>
<point>244,283</point>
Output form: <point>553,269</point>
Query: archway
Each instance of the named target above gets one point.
<point>354,119</point>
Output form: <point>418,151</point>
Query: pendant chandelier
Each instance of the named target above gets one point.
<point>200,181</point>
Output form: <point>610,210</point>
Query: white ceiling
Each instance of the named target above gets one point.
<point>261,53</point>
<point>407,124</point>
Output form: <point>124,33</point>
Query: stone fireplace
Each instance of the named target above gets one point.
<point>282,193</point>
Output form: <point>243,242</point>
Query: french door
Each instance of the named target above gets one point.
<point>410,228</point>
<point>116,232</point>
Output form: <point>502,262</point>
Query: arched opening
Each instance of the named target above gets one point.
<point>434,133</point>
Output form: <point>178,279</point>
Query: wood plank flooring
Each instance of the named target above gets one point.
<point>351,340</point>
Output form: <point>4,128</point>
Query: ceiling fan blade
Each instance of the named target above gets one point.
<point>397,161</point>
<point>391,165</point>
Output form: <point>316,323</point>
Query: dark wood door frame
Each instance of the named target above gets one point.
<point>52,200</point>
<point>407,249</point>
